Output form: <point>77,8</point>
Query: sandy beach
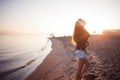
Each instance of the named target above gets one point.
<point>61,63</point>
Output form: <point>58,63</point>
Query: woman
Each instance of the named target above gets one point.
<point>80,39</point>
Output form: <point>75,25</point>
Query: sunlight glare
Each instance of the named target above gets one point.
<point>94,30</point>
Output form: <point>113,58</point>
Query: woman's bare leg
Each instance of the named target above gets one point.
<point>80,66</point>
<point>85,66</point>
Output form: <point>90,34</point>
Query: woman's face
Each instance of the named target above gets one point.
<point>82,23</point>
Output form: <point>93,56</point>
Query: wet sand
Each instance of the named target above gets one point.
<point>61,63</point>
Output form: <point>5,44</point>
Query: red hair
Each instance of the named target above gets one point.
<point>79,33</point>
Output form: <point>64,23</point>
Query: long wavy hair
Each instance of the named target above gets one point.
<point>79,30</point>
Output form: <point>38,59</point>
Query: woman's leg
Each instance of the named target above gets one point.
<point>85,66</point>
<point>80,66</point>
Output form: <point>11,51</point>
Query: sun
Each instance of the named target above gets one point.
<point>95,29</point>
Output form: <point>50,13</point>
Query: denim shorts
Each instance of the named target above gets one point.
<point>80,54</point>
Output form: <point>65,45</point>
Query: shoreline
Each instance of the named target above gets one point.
<point>20,61</point>
<point>57,65</point>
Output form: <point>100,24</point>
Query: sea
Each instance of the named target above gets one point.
<point>20,55</point>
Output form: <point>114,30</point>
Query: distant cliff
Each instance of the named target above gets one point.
<point>115,32</point>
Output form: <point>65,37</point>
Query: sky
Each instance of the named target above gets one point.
<point>58,16</point>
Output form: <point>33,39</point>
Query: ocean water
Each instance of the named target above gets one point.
<point>21,54</point>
